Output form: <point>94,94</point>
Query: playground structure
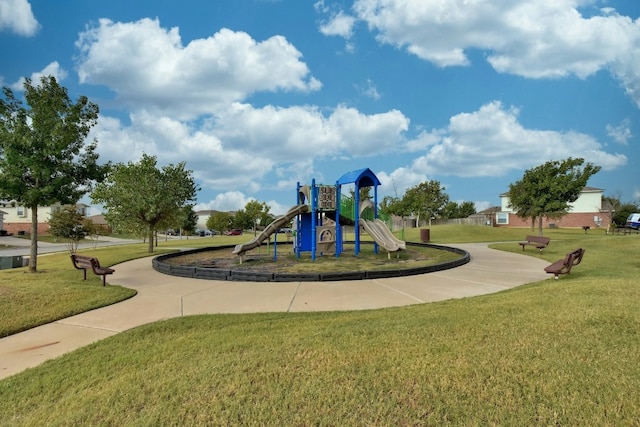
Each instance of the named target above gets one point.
<point>321,212</point>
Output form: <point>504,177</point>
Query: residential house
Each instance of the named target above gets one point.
<point>101,223</point>
<point>2,214</point>
<point>17,218</point>
<point>588,210</point>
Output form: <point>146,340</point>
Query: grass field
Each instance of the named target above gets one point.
<point>57,290</point>
<point>556,352</point>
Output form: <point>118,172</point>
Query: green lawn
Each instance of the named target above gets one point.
<point>556,352</point>
<point>58,290</point>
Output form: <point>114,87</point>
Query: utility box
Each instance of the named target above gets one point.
<point>425,235</point>
<point>7,262</point>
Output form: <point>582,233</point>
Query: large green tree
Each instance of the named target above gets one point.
<point>547,191</point>
<point>458,210</point>
<point>256,210</point>
<point>44,158</point>
<point>220,221</point>
<point>141,196</point>
<point>425,200</point>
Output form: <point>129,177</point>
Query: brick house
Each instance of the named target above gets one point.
<point>588,210</point>
<point>17,218</point>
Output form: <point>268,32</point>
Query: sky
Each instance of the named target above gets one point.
<point>258,95</point>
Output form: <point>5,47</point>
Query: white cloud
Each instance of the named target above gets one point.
<point>491,142</point>
<point>482,205</point>
<point>147,65</point>
<point>340,24</point>
<point>396,183</point>
<point>225,202</point>
<point>235,200</point>
<point>621,133</point>
<point>299,133</point>
<point>53,69</point>
<point>369,90</point>
<point>16,16</point>
<point>238,149</point>
<point>534,39</point>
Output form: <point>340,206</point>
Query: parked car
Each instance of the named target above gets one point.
<point>633,221</point>
<point>234,232</point>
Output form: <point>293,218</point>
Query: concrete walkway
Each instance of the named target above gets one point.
<point>163,297</point>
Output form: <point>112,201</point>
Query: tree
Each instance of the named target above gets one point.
<point>241,220</point>
<point>466,209</point>
<point>623,212</point>
<point>68,224</point>
<point>43,155</point>
<point>450,210</point>
<point>458,210</point>
<point>219,221</point>
<point>426,199</point>
<point>612,205</point>
<point>139,196</point>
<point>255,211</point>
<point>546,191</point>
<point>186,220</point>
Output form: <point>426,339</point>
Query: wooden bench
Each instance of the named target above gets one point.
<point>565,265</point>
<point>537,241</point>
<point>89,263</point>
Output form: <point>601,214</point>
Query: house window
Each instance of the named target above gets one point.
<point>22,212</point>
<point>502,218</point>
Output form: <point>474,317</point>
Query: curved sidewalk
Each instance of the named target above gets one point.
<point>162,297</point>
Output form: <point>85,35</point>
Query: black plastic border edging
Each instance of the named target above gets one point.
<point>208,273</point>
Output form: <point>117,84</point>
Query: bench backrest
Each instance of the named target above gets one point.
<point>573,258</point>
<point>577,256</point>
<point>85,262</point>
<point>538,239</point>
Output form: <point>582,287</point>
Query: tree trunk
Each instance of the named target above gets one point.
<point>540,225</point>
<point>150,247</point>
<point>33,256</point>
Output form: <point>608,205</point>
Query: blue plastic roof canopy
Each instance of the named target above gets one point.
<point>361,177</point>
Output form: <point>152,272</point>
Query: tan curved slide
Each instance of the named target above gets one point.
<point>401,243</point>
<point>382,235</point>
<point>270,229</point>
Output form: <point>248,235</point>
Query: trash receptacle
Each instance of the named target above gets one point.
<point>7,262</point>
<point>425,235</point>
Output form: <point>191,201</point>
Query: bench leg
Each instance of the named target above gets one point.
<point>104,280</point>
<point>85,273</point>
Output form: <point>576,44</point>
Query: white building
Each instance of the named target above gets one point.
<point>587,211</point>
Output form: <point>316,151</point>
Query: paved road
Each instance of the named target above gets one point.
<point>162,297</point>
<point>21,247</point>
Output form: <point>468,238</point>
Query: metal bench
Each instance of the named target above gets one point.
<point>565,265</point>
<point>85,263</point>
<point>539,242</point>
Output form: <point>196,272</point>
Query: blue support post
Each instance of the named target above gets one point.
<point>357,215</point>
<point>338,227</point>
<point>275,246</point>
<point>314,208</point>
<point>375,214</point>
<point>296,237</point>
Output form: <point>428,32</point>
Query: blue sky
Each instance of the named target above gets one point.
<point>256,95</point>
